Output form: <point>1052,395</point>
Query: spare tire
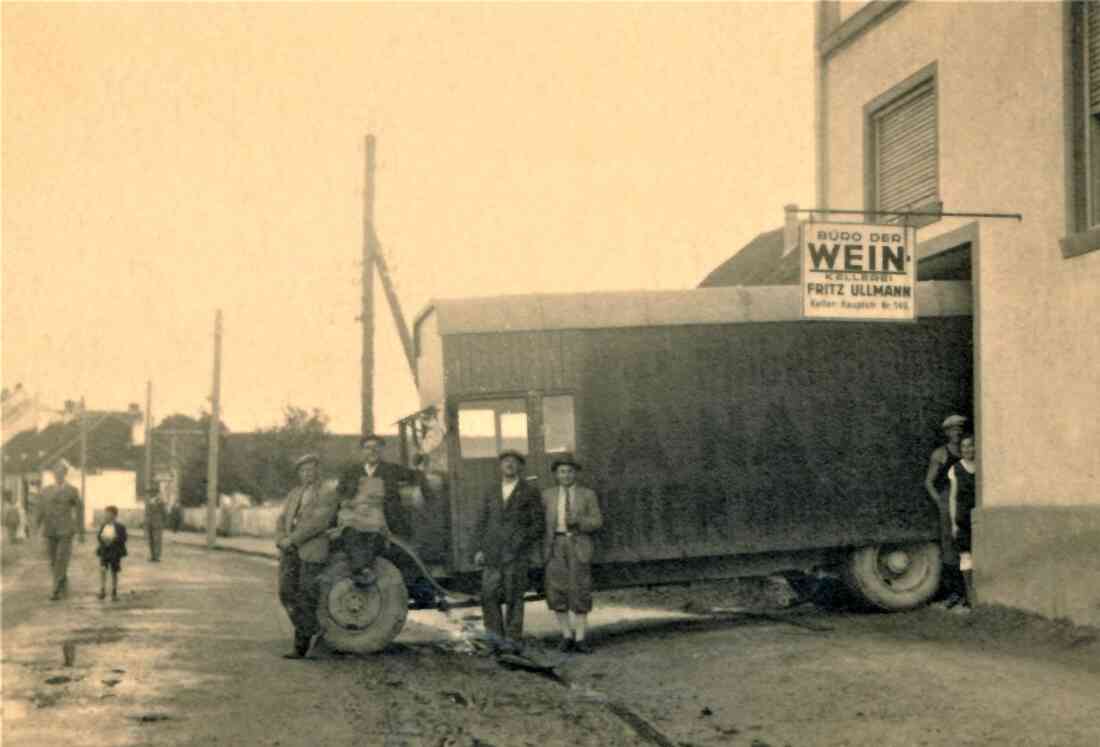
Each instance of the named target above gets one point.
<point>894,577</point>
<point>363,621</point>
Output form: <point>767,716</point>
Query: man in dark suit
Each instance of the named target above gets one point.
<point>156,516</point>
<point>509,523</point>
<point>392,475</point>
<point>60,516</point>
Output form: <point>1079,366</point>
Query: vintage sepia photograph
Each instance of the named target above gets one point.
<point>539,374</point>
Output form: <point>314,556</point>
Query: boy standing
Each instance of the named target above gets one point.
<point>111,551</point>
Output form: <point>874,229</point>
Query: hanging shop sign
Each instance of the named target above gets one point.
<point>858,272</point>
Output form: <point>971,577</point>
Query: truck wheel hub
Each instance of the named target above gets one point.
<point>897,561</point>
<point>352,607</point>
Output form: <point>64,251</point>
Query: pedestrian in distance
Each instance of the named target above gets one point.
<point>943,458</point>
<point>60,516</point>
<point>156,516</point>
<point>572,514</point>
<point>10,517</point>
<point>510,523</point>
<point>300,535</point>
<point>962,499</point>
<point>111,549</point>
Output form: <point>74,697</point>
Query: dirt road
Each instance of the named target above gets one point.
<point>190,655</point>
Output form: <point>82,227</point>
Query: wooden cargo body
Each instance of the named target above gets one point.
<point>718,428</point>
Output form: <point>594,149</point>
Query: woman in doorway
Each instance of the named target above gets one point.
<point>961,499</point>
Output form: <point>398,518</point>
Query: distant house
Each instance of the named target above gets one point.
<point>113,461</point>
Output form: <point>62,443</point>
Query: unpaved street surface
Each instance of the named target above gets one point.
<point>190,655</point>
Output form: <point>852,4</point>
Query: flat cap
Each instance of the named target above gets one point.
<point>953,421</point>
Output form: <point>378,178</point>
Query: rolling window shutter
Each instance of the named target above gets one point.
<point>907,171</point>
<point>1092,19</point>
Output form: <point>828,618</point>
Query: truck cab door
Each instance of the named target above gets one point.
<point>485,428</point>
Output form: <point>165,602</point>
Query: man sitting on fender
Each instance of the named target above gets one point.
<point>370,508</point>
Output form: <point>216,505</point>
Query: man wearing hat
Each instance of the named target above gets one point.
<point>304,548</point>
<point>572,514</point>
<point>509,523</point>
<point>156,516</point>
<point>392,477</point>
<point>61,515</point>
<point>936,485</point>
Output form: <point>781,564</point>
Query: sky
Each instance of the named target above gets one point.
<point>164,161</point>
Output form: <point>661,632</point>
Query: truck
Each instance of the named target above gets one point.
<point>725,436</point>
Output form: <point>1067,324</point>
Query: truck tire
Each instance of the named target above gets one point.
<point>894,577</point>
<point>364,621</point>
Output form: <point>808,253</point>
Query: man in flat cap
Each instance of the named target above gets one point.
<point>60,516</point>
<point>156,516</point>
<point>509,524</point>
<point>300,534</point>
<point>572,514</point>
<point>936,484</point>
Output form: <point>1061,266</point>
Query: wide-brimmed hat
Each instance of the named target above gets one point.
<point>953,421</point>
<point>565,458</point>
<point>306,459</point>
<point>372,437</point>
<point>512,453</point>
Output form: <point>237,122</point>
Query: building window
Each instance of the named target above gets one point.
<point>1083,129</point>
<point>902,149</point>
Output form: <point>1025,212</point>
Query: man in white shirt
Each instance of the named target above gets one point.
<point>572,514</point>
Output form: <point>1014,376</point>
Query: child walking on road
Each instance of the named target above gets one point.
<point>111,551</point>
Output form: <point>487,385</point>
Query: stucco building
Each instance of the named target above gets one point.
<point>975,107</point>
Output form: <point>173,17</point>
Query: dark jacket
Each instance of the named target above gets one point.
<point>60,510</point>
<point>156,515</point>
<point>393,475</point>
<point>505,532</point>
<point>116,549</point>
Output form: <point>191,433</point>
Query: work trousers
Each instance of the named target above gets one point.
<point>568,579</point>
<point>361,547</point>
<point>300,591</point>
<point>503,586</point>
<point>59,549</point>
<point>155,537</point>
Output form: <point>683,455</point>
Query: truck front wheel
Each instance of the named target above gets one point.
<point>894,577</point>
<point>363,621</point>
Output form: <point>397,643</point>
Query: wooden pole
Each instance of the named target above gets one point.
<point>367,313</point>
<point>395,307</point>
<point>215,437</point>
<point>148,437</point>
<point>83,467</point>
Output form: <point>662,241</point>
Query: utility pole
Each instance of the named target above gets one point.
<point>215,436</point>
<point>148,438</point>
<point>367,313</point>
<point>83,467</point>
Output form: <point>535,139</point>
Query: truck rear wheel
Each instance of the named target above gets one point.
<point>363,621</point>
<point>894,577</point>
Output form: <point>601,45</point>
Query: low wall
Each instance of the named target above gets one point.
<point>1040,558</point>
<point>235,522</point>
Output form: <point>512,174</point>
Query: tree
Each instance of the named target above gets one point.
<point>277,448</point>
<point>233,471</point>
